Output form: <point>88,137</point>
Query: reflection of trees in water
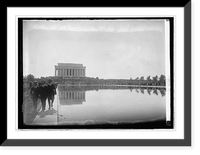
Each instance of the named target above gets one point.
<point>136,90</point>
<point>142,90</point>
<point>149,91</point>
<point>155,91</point>
<point>92,88</point>
<point>162,92</point>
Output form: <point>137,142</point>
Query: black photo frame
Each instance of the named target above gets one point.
<point>161,124</point>
<point>127,142</point>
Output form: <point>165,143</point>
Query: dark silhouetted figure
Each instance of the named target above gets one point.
<point>51,93</point>
<point>34,94</point>
<point>43,94</point>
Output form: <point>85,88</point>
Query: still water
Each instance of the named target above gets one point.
<point>109,105</point>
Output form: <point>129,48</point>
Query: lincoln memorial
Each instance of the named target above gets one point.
<point>70,70</point>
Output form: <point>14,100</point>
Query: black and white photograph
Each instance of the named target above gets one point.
<point>96,73</point>
<point>98,77</point>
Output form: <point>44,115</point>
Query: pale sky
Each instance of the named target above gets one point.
<point>108,48</point>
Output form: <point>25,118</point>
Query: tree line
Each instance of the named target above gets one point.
<point>151,81</point>
<point>155,80</point>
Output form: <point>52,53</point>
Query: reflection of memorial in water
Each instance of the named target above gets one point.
<point>67,97</point>
<point>123,105</point>
<point>75,95</point>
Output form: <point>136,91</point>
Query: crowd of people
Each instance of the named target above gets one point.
<point>43,91</point>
